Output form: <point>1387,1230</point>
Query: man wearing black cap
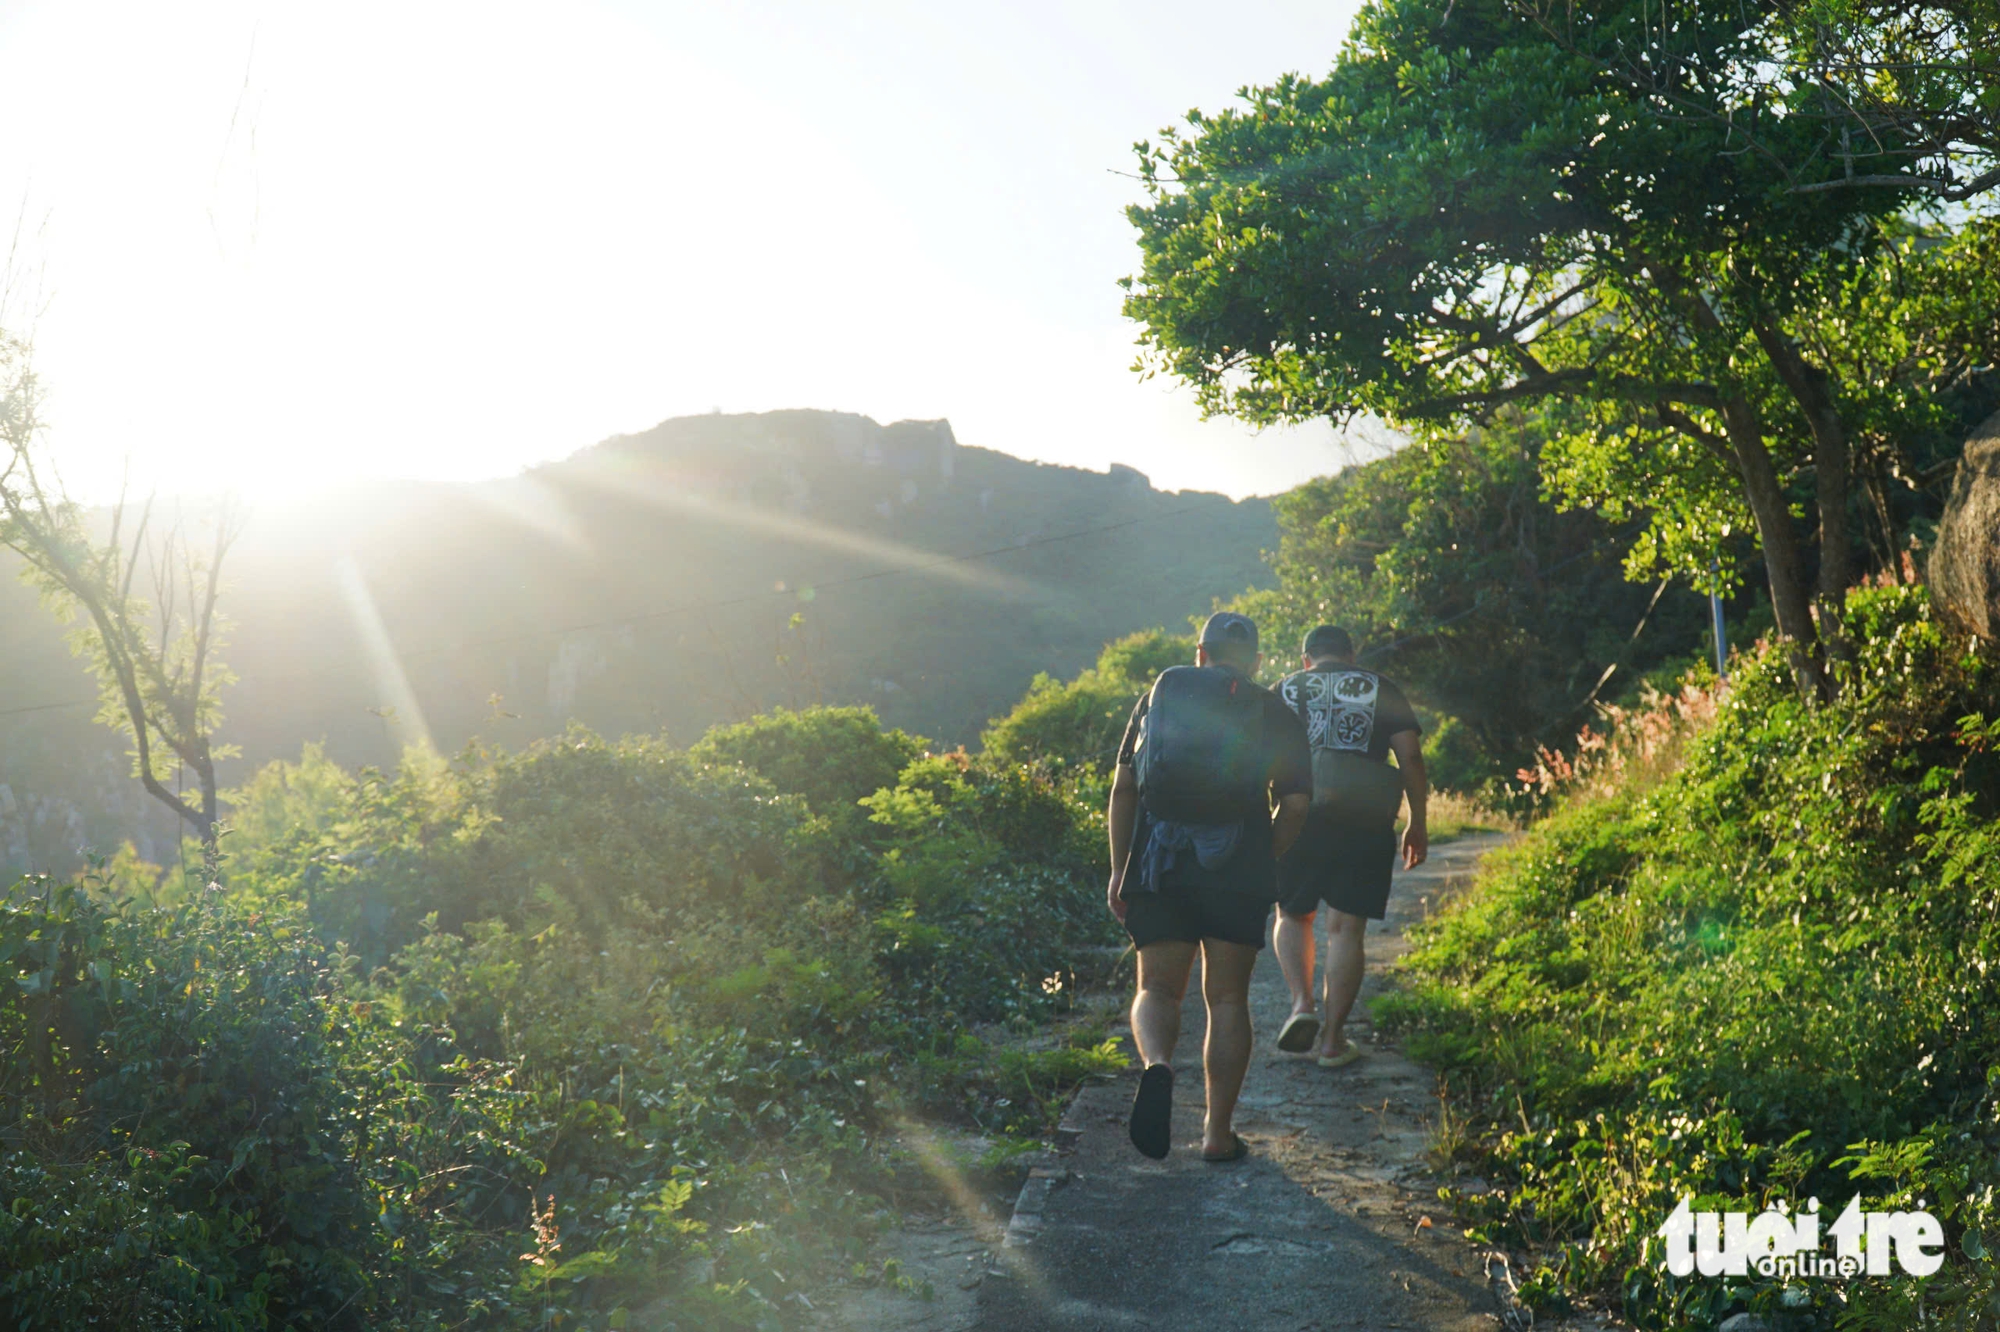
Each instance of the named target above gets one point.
<point>1194,852</point>
<point>1354,720</point>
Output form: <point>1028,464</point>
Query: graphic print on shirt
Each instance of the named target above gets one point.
<point>1339,707</point>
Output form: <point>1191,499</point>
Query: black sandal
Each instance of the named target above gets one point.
<point>1153,1112</point>
<point>1299,1033</point>
<point>1238,1149</point>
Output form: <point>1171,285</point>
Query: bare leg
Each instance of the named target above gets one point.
<point>1345,963</point>
<point>1156,1008</point>
<point>1225,985</point>
<point>1293,941</point>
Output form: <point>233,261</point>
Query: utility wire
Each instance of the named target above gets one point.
<point>46,707</point>
<point>1478,605</point>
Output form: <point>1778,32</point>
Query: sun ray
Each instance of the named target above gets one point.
<point>530,502</point>
<point>660,492</point>
<point>937,1162</point>
<point>405,717</point>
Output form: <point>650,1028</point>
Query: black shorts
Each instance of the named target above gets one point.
<point>1191,914</point>
<point>1345,866</point>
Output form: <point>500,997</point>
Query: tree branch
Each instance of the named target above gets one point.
<point>1675,419</point>
<point>1950,190</point>
<point>1570,382</point>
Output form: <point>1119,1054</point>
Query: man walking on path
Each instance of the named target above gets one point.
<point>1354,719</point>
<point>1194,851</point>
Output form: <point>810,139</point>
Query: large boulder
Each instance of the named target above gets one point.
<point>1965,561</point>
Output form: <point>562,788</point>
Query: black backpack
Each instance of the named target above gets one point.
<point>1200,753</point>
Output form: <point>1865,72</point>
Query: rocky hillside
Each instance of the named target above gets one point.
<point>703,570</point>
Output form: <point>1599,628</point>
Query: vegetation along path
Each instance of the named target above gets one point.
<point>1323,1226</point>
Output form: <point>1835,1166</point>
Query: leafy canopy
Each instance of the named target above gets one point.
<point>1478,206</point>
<point>1461,213</point>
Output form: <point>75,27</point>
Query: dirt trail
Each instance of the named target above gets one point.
<point>1320,1228</point>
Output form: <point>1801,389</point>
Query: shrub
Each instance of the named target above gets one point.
<point>183,1148</point>
<point>833,757</point>
<point>993,880</point>
<point>1719,980</point>
<point>589,1033</point>
<point>1082,721</point>
<point>530,1038</point>
<point>575,829</point>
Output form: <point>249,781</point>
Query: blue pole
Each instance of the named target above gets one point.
<point>1721,638</point>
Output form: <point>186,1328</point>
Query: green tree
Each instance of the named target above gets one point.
<point>155,657</point>
<point>1473,210</point>
<point>1466,585</point>
<point>1906,93</point>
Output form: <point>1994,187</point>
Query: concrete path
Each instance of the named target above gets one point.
<point>1322,1227</point>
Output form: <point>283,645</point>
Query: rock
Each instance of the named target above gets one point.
<point>1965,561</point>
<point>1745,1322</point>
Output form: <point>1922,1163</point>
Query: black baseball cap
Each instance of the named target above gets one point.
<point>1228,629</point>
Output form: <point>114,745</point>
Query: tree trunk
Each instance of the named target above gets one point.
<point>1766,497</point>
<point>1781,548</point>
<point>1878,496</point>
<point>1833,465</point>
<point>211,814</point>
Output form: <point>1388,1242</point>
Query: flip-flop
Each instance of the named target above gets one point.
<point>1238,1149</point>
<point>1344,1058</point>
<point>1153,1112</point>
<point>1299,1033</point>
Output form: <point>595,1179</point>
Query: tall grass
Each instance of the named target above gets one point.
<point>1450,814</point>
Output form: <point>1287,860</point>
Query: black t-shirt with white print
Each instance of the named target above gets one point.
<point>1348,708</point>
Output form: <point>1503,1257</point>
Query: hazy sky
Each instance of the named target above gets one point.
<point>279,245</point>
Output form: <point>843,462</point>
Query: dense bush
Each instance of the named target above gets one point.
<point>1767,974</point>
<point>986,866</point>
<point>1081,722</point>
<point>833,757</point>
<point>572,827</point>
<point>179,1151</point>
<point>594,1034</point>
